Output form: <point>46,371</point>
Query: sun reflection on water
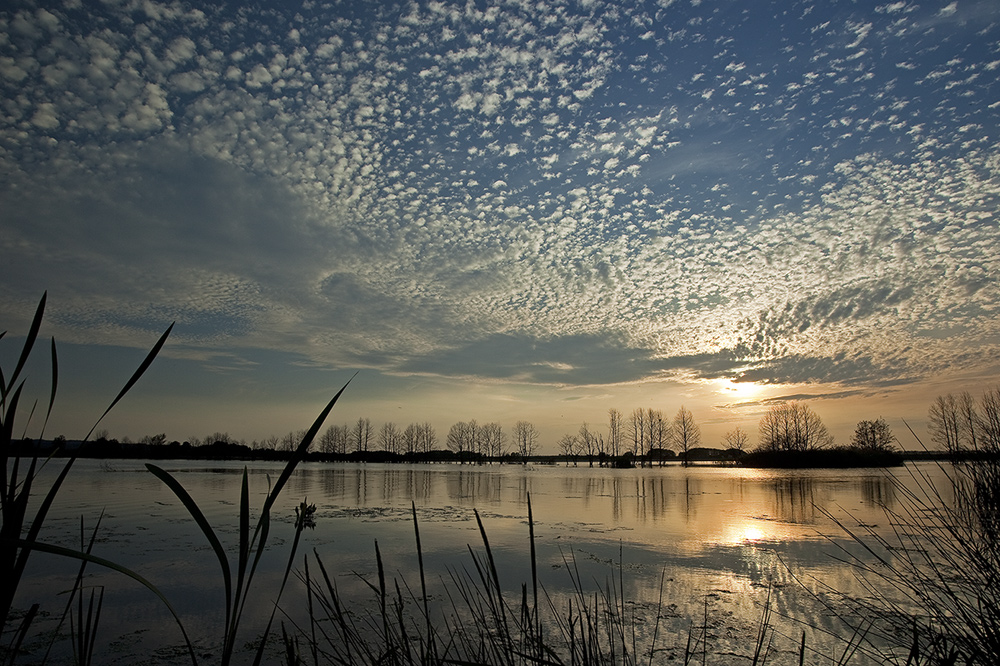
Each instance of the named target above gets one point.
<point>752,534</point>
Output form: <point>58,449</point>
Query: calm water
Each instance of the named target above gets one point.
<point>718,538</point>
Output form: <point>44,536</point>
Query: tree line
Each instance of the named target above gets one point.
<point>645,433</point>
<point>957,423</point>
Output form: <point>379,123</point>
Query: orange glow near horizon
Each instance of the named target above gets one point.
<point>739,391</point>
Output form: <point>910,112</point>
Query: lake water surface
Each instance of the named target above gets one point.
<point>699,545</point>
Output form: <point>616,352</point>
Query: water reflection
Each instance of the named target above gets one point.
<point>878,492</point>
<point>715,531</point>
<point>794,499</point>
<point>686,506</point>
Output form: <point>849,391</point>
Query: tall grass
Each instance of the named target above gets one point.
<point>934,580</point>
<point>237,591</point>
<point>472,618</point>
<point>19,530</point>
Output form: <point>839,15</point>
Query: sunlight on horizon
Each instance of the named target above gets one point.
<point>741,391</point>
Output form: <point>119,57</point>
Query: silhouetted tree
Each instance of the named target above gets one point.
<point>426,438</point>
<point>289,442</point>
<point>475,443</point>
<point>410,438</point>
<point>588,442</point>
<point>657,430</point>
<point>873,437</point>
<point>685,433</point>
<point>988,419</point>
<point>637,430</point>
<point>736,439</point>
<point>361,434</point>
<point>525,438</point>
<point>567,447</point>
<point>154,440</point>
<point>945,423</point>
<point>389,437</point>
<point>334,439</point>
<point>961,423</point>
<point>459,437</point>
<point>494,440</point>
<point>616,432</point>
<point>792,426</point>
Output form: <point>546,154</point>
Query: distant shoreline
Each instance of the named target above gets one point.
<point>820,458</point>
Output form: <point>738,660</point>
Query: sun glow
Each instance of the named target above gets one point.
<point>739,391</point>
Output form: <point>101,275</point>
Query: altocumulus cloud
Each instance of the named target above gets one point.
<point>546,192</point>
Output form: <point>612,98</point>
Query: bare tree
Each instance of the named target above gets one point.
<point>792,426</point>
<point>873,437</point>
<point>291,440</point>
<point>685,433</point>
<point>362,434</point>
<point>736,439</point>
<point>334,439</point>
<point>989,419</point>
<point>961,423</point>
<point>615,432</point>
<point>326,440</point>
<point>945,423</point>
<point>588,442</point>
<point>475,445</point>
<point>154,440</point>
<point>567,447</point>
<point>525,439</point>
<point>410,438</point>
<point>222,437</point>
<point>493,439</point>
<point>637,430</point>
<point>968,425</point>
<point>389,437</point>
<point>426,438</point>
<point>657,430</point>
<point>460,438</point>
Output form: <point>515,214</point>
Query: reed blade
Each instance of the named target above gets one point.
<point>244,554</point>
<point>108,564</point>
<point>199,518</point>
<point>146,362</point>
<point>29,342</point>
<point>55,384</point>
<point>264,522</point>
<point>300,452</point>
<point>40,514</point>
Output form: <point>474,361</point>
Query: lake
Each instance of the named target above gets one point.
<point>700,546</point>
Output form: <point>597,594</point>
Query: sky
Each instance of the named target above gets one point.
<point>501,211</point>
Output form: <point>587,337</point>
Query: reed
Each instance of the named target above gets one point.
<point>477,622</point>
<point>251,546</point>
<point>19,532</point>
<point>934,581</point>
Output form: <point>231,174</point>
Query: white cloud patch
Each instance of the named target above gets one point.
<point>949,10</point>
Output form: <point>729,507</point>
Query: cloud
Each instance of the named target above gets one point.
<point>532,199</point>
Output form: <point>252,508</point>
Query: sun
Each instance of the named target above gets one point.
<point>739,391</point>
